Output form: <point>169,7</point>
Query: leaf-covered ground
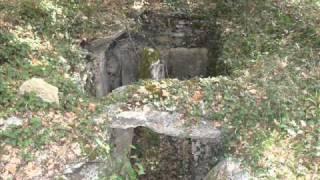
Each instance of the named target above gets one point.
<point>41,39</point>
<point>269,105</point>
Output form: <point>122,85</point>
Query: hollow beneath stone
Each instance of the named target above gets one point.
<point>166,146</point>
<point>169,157</point>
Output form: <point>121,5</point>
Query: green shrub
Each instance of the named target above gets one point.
<point>6,96</point>
<point>31,10</point>
<point>11,51</point>
<point>30,102</point>
<point>70,93</point>
<point>32,136</point>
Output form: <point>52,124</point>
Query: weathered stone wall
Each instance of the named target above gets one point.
<point>185,63</point>
<point>172,30</point>
<point>183,42</point>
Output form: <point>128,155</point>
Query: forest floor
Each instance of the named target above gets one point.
<point>269,103</point>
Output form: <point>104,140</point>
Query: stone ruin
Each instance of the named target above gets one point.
<point>179,46</point>
<point>168,148</point>
<point>185,46</point>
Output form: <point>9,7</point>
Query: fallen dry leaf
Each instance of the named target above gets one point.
<point>70,115</point>
<point>32,170</point>
<point>11,168</point>
<point>253,91</point>
<point>92,107</point>
<point>197,96</point>
<point>217,124</point>
<point>165,93</point>
<point>36,62</point>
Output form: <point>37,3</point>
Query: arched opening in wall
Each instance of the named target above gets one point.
<point>186,46</point>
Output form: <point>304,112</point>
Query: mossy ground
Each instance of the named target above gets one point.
<point>41,39</point>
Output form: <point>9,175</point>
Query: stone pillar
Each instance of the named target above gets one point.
<point>206,153</point>
<point>120,163</point>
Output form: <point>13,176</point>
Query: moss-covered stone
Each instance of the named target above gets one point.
<point>149,56</point>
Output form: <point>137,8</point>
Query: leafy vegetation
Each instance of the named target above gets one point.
<point>40,39</point>
<point>34,135</point>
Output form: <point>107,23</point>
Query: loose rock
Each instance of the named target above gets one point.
<point>43,90</point>
<point>228,170</point>
<point>10,122</point>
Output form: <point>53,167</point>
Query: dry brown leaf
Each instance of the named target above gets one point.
<point>165,93</point>
<point>11,168</point>
<point>92,107</point>
<point>197,96</point>
<point>32,170</point>
<point>217,124</point>
<point>70,115</point>
<point>36,62</point>
<point>253,91</point>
